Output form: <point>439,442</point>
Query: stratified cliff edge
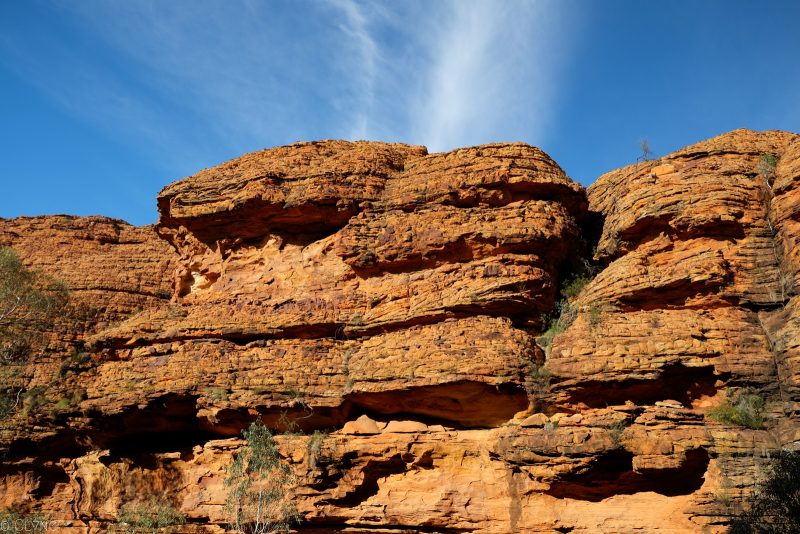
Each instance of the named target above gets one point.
<point>394,300</point>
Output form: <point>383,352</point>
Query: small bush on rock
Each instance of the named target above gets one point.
<point>150,515</point>
<point>767,165</point>
<point>745,408</point>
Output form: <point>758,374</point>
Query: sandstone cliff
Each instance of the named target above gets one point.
<point>395,300</point>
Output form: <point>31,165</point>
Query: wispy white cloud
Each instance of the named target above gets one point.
<point>455,73</point>
<point>493,73</point>
<point>199,83</point>
<point>224,67</point>
<point>460,85</point>
<point>356,29</point>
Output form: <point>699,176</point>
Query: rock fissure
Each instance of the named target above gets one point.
<point>612,473</point>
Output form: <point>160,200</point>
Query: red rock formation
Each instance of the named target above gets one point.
<point>697,299</point>
<point>392,299</point>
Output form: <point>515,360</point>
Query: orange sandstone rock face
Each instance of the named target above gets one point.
<point>697,300</point>
<point>393,299</point>
<point>113,269</point>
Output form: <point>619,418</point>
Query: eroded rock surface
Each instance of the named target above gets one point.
<point>392,300</point>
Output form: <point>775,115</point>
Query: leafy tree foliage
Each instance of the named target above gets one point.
<point>775,504</point>
<point>261,484</point>
<point>29,303</point>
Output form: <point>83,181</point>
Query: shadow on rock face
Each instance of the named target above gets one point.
<point>612,474</point>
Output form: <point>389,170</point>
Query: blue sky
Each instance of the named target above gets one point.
<point>103,102</point>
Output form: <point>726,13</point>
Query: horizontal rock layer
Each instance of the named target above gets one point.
<point>391,300</point>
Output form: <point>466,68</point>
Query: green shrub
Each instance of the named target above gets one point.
<point>745,409</point>
<point>615,431</point>
<point>724,498</point>
<point>8,402</point>
<point>75,363</point>
<point>218,394</point>
<point>315,444</point>
<point>152,514</point>
<point>15,349</point>
<point>557,324</point>
<point>774,507</point>
<point>564,314</point>
<point>554,328</point>
<point>595,314</point>
<point>574,285</point>
<point>537,380</point>
<point>67,403</point>
<point>30,302</point>
<point>551,426</point>
<point>32,400</point>
<point>767,164</point>
<point>62,404</point>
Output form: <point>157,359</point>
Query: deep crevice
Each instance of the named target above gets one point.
<point>678,292</point>
<point>299,224</point>
<point>65,444</point>
<point>520,310</point>
<point>649,228</point>
<point>372,471</point>
<point>516,310</point>
<point>756,307</point>
<point>460,251</point>
<point>573,201</point>
<point>612,474</point>
<point>674,382</point>
<point>463,403</point>
<point>168,423</point>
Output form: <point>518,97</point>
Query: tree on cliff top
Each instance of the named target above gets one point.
<point>775,504</point>
<point>29,303</point>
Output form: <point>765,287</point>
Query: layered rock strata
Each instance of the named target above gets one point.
<point>392,300</point>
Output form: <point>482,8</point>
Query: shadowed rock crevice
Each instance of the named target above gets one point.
<point>522,303</point>
<point>612,474</point>
<point>510,193</point>
<point>372,471</point>
<point>312,187</point>
<point>301,225</point>
<point>648,228</point>
<point>461,250</point>
<point>673,382</point>
<point>464,404</point>
<point>523,308</point>
<point>457,405</point>
<point>675,295</point>
<point>165,424</point>
<point>171,422</point>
